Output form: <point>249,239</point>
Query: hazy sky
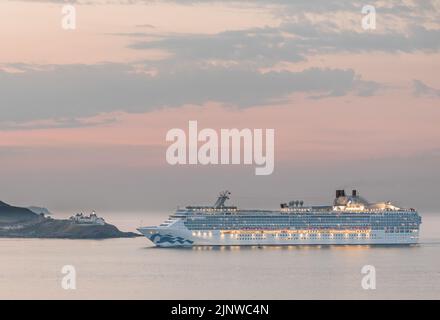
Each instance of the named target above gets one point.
<point>84,113</point>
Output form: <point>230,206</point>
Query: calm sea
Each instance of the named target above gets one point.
<point>132,269</point>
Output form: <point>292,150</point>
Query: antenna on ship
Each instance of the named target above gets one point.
<point>222,199</point>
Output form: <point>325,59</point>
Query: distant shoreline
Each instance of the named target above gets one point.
<point>17,222</point>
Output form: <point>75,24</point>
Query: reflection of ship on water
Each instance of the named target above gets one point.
<point>350,220</point>
<point>83,219</point>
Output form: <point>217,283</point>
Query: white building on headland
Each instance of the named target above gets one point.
<point>92,219</point>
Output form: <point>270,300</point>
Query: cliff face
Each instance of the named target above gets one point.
<point>65,229</point>
<point>11,214</point>
<point>40,210</point>
<point>16,222</point>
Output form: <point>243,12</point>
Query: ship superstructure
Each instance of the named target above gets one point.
<point>350,220</point>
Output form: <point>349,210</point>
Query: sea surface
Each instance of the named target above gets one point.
<point>133,269</point>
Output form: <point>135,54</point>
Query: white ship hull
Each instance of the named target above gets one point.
<point>170,237</point>
<point>350,221</point>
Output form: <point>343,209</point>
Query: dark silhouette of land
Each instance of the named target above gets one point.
<point>17,222</point>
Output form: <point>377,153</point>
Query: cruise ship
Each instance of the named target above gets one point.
<point>350,220</point>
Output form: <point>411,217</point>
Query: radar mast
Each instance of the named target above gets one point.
<point>220,203</point>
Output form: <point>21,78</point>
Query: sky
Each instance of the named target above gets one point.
<point>84,113</point>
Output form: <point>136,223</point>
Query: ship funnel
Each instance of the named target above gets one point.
<point>340,193</point>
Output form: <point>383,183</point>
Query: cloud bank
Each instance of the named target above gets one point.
<point>71,91</point>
